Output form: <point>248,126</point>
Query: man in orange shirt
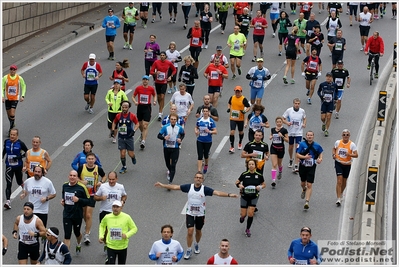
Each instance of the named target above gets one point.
<point>13,88</point>
<point>215,73</point>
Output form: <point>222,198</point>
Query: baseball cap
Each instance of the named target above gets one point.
<point>259,59</point>
<point>219,47</point>
<point>238,88</point>
<point>340,62</point>
<point>118,81</point>
<point>130,3</point>
<point>92,56</point>
<point>13,67</point>
<point>145,77</point>
<point>117,203</point>
<point>329,74</point>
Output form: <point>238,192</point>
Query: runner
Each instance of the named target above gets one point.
<point>36,156</point>
<point>311,23</point>
<point>297,251</point>
<point>238,105</point>
<point>188,73</point>
<point>204,129</point>
<point>311,69</point>
<point>278,135</point>
<point>144,14</point>
<point>250,184</point>
<point>309,153</point>
<point>196,35</point>
<point>259,24</point>
<point>244,20</point>
<point>222,257</point>
<point>107,194</point>
<point>172,7</point>
<point>215,73</point>
<point>257,150</point>
<point>301,24</point>
<point>295,118</point>
<point>183,101</point>
<point>173,56</point>
<point>352,11</point>
<point>223,11</point>
<point>237,43</point>
<point>333,25</point>
<point>144,93</point>
<point>338,45</point>
<point>92,177</point>
<point>121,227</point>
<point>173,110</point>
<point>316,40</point>
<point>223,59</point>
<point>195,212</point>
<point>334,7</point>
<point>256,120</point>
<point>14,150</point>
<point>74,197</point>
<point>163,71</point>
<point>111,24</point>
<point>339,77</point>
<point>365,19</point>
<point>306,8</point>
<point>328,93</point>
<point>283,21</point>
<point>186,7</point>
<point>27,229</point>
<point>206,20</point>
<point>13,91</point>
<point>156,7</point>
<point>130,15</point>
<point>166,251</point>
<point>274,14</point>
<point>292,47</point>
<point>343,152</point>
<point>127,124</point>
<point>119,74</point>
<point>258,75</point>
<point>80,158</point>
<point>151,52</point>
<point>213,112</point>
<point>114,98</point>
<point>55,252</point>
<point>91,71</point>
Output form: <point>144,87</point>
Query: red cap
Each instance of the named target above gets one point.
<point>13,67</point>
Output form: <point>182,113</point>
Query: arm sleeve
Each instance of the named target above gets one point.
<point>67,255</point>
<point>179,255</point>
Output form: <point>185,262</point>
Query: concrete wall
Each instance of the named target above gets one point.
<point>22,20</point>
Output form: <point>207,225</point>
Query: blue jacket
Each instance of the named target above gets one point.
<point>304,252</point>
<point>80,159</point>
<point>108,22</point>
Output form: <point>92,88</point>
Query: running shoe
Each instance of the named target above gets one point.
<point>296,169</point>
<point>134,160</point>
<point>306,206</point>
<point>248,233</point>
<point>78,249</point>
<point>309,101</point>
<point>261,54</point>
<point>273,184</point>
<point>242,219</point>
<point>308,92</point>
<point>86,239</point>
<point>325,133</point>
<point>91,111</point>
<point>205,170</point>
<point>188,253</point>
<point>113,140</point>
<point>160,16</point>
<point>234,77</point>
<point>196,248</point>
<point>7,205</point>
<point>279,53</point>
<point>231,150</point>
<point>169,90</point>
<point>145,26</point>
<point>185,26</point>
<point>159,117</point>
<point>239,146</point>
<point>290,163</point>
<point>303,193</point>
<point>175,88</point>
<point>336,115</point>
<point>126,46</point>
<point>368,67</point>
<point>254,59</point>
<point>285,80</point>
<point>87,106</point>
<point>170,20</point>
<point>123,170</point>
<point>239,71</point>
<point>167,175</point>
<point>323,127</point>
<point>130,47</point>
<point>222,32</point>
<point>279,176</point>
<point>153,20</point>
<point>206,46</point>
<point>292,81</point>
<point>142,145</point>
<point>174,20</point>
<point>361,49</point>
<point>376,75</point>
<point>274,35</point>
<point>338,203</point>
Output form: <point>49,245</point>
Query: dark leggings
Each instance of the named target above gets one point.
<point>10,172</point>
<point>206,35</point>
<point>112,254</point>
<point>376,59</point>
<point>200,7</point>
<point>148,65</point>
<point>223,18</point>
<point>293,6</point>
<point>281,37</point>
<point>156,7</point>
<point>186,11</point>
<point>171,156</point>
<point>203,150</point>
<point>190,89</point>
<point>110,118</point>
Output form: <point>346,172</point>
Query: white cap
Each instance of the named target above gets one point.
<point>92,56</point>
<point>117,203</point>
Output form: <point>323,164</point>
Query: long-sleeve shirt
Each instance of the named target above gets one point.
<point>108,23</point>
<point>375,45</point>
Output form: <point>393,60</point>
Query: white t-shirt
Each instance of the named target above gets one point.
<point>167,250</point>
<point>296,117</point>
<point>112,192</point>
<point>182,102</point>
<point>172,55</point>
<point>38,189</point>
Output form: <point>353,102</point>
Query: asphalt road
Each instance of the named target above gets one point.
<point>54,110</point>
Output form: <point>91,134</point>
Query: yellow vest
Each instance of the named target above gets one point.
<point>91,178</point>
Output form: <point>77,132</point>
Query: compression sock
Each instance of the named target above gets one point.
<point>280,168</point>
<point>241,137</point>
<point>274,173</point>
<point>249,222</point>
<point>232,140</point>
<point>123,161</point>
<point>12,121</point>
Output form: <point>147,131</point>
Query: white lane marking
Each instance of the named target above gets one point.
<point>15,193</point>
<point>270,80</point>
<point>219,148</point>
<point>183,211</point>
<point>76,135</point>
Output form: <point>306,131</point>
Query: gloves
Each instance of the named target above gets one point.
<point>267,77</point>
<point>228,110</point>
<point>4,251</point>
<point>132,133</point>
<point>254,78</point>
<point>179,80</point>
<point>319,74</point>
<point>303,74</point>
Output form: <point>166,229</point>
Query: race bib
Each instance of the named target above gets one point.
<point>90,182</point>
<point>170,143</point>
<point>308,162</point>
<point>205,19</point>
<point>186,75</point>
<point>195,209</point>
<point>301,262</point>
<point>245,22</point>
<point>196,41</point>
<point>305,7</point>
<point>296,123</point>
<point>328,97</point>
<point>310,32</point>
<point>235,114</point>
<point>26,237</point>
<point>257,84</point>
<point>12,90</point>
<point>256,126</point>
<point>32,165</point>
<point>144,99</point>
<point>251,189</point>
<point>115,233</point>
<point>110,23</point>
<point>343,152</point>
<point>68,198</point>
<point>149,55</point>
<point>338,46</point>
<point>313,65</point>
<point>276,139</point>
<point>236,45</point>
<point>12,160</point>
<point>214,75</point>
<point>122,129</point>
<point>91,76</point>
<point>259,154</point>
<point>339,81</point>
<point>161,76</point>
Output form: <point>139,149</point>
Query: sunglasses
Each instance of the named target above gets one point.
<point>12,69</point>
<point>345,134</point>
